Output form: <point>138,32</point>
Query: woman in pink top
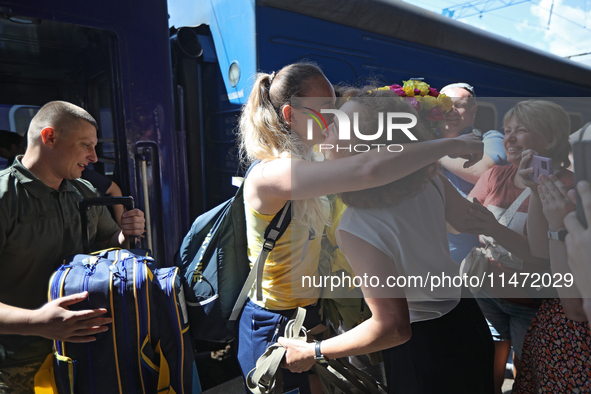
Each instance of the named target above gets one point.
<point>542,126</point>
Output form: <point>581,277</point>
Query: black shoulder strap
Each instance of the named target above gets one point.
<point>254,163</point>
<point>274,231</point>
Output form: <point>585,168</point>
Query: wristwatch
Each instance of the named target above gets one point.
<point>559,235</point>
<point>478,133</point>
<point>318,356</point>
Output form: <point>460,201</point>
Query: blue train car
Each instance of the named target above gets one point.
<point>356,42</point>
<point>113,59</point>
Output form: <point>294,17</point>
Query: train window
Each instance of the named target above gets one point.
<point>100,95</point>
<point>486,116</point>
<point>576,120</point>
<point>14,119</point>
<point>20,116</point>
<point>11,145</point>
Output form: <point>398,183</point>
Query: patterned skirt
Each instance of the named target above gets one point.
<point>556,354</point>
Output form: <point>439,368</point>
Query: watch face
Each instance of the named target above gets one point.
<point>559,235</point>
<point>318,356</point>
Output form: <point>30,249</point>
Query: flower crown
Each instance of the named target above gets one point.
<point>427,101</point>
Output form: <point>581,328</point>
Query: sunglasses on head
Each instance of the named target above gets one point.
<point>461,85</point>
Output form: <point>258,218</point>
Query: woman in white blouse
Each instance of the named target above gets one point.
<point>435,340</point>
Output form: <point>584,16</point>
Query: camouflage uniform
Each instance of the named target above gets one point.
<point>18,380</point>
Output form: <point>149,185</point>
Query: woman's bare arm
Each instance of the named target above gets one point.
<point>271,184</point>
<point>457,208</point>
<point>390,322</point>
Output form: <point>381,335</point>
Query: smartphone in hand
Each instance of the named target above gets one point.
<point>541,165</point>
<point>478,133</point>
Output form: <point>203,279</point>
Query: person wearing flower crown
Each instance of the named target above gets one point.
<point>459,121</point>
<point>425,333</point>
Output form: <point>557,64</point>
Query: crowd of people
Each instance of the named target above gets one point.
<point>412,213</point>
<point>436,342</point>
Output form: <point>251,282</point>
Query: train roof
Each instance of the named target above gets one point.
<point>399,20</point>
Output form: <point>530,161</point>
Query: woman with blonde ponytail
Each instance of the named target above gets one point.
<point>274,129</point>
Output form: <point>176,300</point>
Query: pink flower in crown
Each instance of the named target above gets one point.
<point>414,103</point>
<point>398,90</point>
<point>417,92</point>
<point>433,92</point>
<point>435,114</point>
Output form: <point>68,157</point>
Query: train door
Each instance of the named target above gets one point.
<point>113,59</point>
<point>45,60</point>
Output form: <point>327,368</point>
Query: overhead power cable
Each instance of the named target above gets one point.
<point>477,7</point>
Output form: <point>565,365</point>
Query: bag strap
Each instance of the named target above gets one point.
<point>267,378</point>
<point>254,163</point>
<point>359,379</point>
<point>274,231</point>
<point>510,212</point>
<point>328,379</point>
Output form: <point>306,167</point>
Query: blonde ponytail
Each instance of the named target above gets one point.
<point>264,134</point>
